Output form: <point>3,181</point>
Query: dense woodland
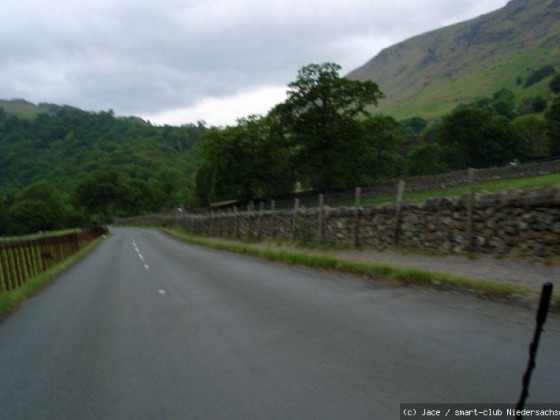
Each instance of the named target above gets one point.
<point>73,167</point>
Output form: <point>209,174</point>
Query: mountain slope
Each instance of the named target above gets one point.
<point>430,74</point>
<point>25,109</point>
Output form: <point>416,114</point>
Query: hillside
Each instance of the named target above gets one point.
<point>430,74</point>
<point>25,109</point>
<point>149,168</point>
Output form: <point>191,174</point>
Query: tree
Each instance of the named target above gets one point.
<point>380,157</point>
<point>425,159</point>
<point>415,124</point>
<point>320,120</point>
<point>480,138</point>
<point>3,215</point>
<point>245,161</point>
<point>533,129</point>
<point>38,206</point>
<point>29,216</point>
<point>553,121</point>
<point>554,84</point>
<point>63,146</point>
<point>503,102</point>
<point>539,74</point>
<point>104,193</point>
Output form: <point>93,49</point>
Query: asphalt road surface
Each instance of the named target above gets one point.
<point>147,327</point>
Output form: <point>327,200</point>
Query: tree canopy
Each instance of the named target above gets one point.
<point>153,166</point>
<point>320,121</point>
<point>480,138</point>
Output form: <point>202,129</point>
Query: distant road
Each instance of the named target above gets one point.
<point>147,327</point>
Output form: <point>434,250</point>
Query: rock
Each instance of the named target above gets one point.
<point>490,223</point>
<point>480,241</point>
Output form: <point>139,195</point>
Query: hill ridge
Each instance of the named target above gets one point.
<point>432,72</point>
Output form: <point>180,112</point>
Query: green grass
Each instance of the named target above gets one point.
<point>458,191</point>
<point>24,109</point>
<point>443,94</point>
<point>12,299</point>
<point>395,275</point>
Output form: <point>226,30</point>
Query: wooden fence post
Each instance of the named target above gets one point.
<point>470,211</point>
<point>398,205</point>
<point>236,221</point>
<point>320,213</point>
<point>259,220</point>
<point>357,196</point>
<point>294,219</point>
<point>5,269</point>
<point>229,223</point>
<point>273,218</point>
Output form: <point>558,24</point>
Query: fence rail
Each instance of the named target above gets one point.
<point>24,259</point>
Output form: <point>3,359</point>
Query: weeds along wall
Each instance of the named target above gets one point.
<point>524,223</point>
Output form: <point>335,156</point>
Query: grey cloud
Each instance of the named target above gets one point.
<point>143,57</point>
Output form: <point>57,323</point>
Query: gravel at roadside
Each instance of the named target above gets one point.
<point>522,273</point>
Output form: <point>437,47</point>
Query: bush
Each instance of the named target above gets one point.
<point>554,85</point>
<point>537,75</point>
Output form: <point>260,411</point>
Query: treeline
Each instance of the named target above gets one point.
<point>326,137</point>
<point>77,167</point>
<point>74,167</point>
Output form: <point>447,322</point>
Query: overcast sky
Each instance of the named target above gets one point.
<point>180,61</point>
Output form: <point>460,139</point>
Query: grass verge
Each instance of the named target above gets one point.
<point>396,275</point>
<point>12,299</point>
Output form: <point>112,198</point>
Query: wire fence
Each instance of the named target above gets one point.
<point>25,259</point>
<point>386,191</point>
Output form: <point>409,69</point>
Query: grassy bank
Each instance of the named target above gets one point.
<point>390,274</point>
<point>10,300</point>
<point>458,191</point>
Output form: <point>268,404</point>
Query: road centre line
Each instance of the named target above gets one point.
<point>146,266</point>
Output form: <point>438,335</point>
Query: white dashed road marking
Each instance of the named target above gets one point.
<point>146,266</point>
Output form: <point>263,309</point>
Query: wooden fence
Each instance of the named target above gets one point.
<point>24,259</point>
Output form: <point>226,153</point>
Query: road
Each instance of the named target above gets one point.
<point>147,327</point>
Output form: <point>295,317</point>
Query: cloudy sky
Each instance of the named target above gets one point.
<point>180,61</point>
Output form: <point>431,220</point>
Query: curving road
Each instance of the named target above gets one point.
<point>147,327</point>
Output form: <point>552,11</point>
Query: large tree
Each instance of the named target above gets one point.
<point>245,161</point>
<point>320,118</point>
<point>532,127</point>
<point>39,206</point>
<point>104,194</point>
<point>480,138</point>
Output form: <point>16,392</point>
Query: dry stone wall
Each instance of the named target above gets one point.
<point>523,223</point>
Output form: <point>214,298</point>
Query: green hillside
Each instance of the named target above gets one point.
<point>94,163</point>
<point>431,74</point>
<point>25,109</point>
